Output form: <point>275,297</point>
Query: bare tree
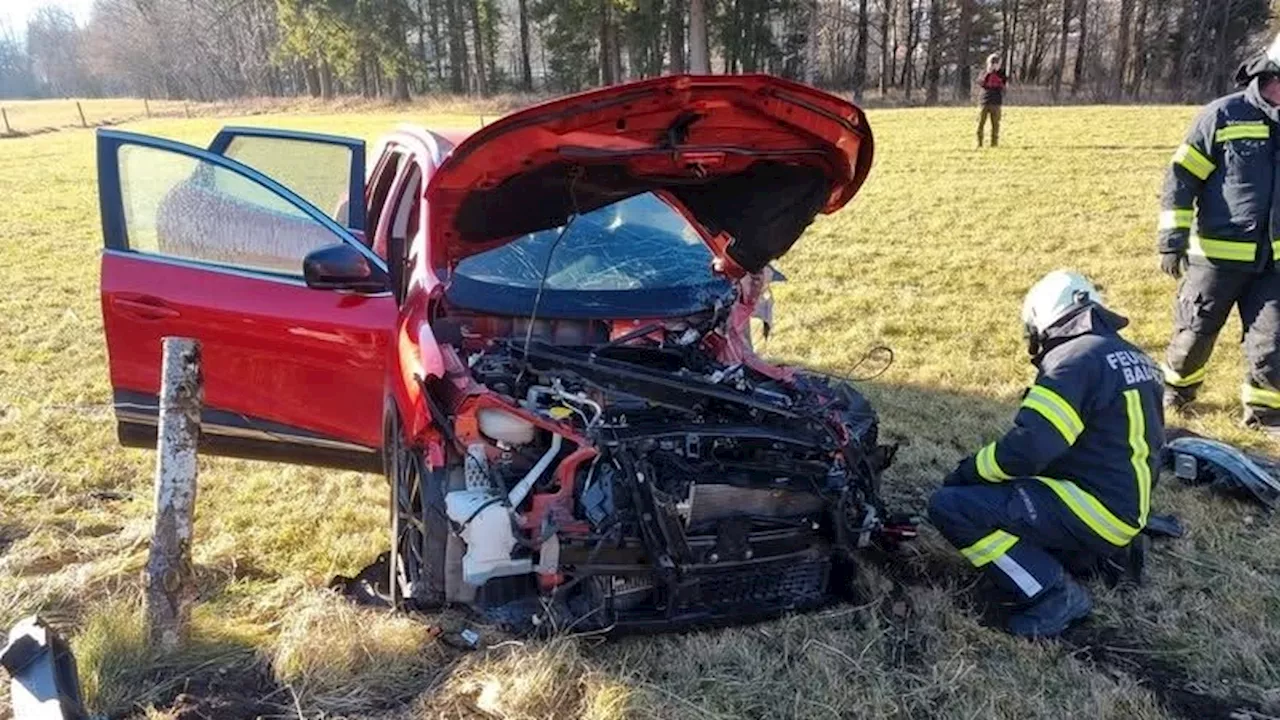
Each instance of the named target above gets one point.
<point>933,71</point>
<point>860,54</point>
<point>526,69</point>
<point>1122,49</point>
<point>1060,63</point>
<point>55,46</point>
<point>1082,43</point>
<point>675,35</point>
<point>886,68</point>
<point>699,55</point>
<point>964,46</point>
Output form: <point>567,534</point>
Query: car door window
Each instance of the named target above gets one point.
<point>325,170</point>
<point>384,175</point>
<point>399,227</point>
<point>180,205</point>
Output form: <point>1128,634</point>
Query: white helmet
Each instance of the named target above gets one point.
<point>1053,296</point>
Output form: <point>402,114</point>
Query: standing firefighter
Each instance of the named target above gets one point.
<point>1220,233</point>
<point>1071,481</point>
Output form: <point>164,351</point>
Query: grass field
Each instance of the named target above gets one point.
<point>932,259</point>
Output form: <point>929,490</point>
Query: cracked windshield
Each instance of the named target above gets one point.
<point>640,243</point>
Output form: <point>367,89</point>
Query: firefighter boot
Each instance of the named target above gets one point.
<point>1175,401</point>
<point>1265,421</point>
<point>1053,611</point>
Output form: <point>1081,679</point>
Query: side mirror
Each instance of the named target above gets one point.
<point>342,267</point>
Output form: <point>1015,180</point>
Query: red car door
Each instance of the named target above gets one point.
<point>199,245</point>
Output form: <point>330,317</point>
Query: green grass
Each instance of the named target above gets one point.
<point>932,259</point>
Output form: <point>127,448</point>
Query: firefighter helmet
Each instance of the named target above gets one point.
<point>1264,63</point>
<point>1053,297</point>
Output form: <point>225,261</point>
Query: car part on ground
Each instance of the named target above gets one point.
<point>1200,460</point>
<point>44,684</point>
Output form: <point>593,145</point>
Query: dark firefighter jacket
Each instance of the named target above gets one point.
<point>1091,428</point>
<point>1219,201</point>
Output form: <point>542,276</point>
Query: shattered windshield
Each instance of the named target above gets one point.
<point>641,243</point>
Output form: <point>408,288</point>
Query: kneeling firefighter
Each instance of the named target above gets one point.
<point>1071,481</point>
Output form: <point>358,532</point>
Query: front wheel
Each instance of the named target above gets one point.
<point>419,526</point>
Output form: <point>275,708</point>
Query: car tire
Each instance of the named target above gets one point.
<point>419,525</point>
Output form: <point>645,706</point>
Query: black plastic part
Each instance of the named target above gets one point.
<point>44,683</point>
<point>342,267</point>
<point>138,435</point>
<point>1165,526</point>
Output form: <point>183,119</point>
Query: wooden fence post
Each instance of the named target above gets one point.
<point>187,108</point>
<point>7,130</point>
<point>170,591</point>
<point>80,110</point>
<point>146,105</point>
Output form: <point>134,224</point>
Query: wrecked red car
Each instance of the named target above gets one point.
<point>541,334</point>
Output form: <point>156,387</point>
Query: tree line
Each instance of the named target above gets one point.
<point>910,50</point>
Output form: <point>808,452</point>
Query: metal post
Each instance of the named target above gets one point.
<point>81,111</point>
<point>170,591</point>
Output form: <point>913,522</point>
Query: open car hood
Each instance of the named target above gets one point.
<point>752,157</point>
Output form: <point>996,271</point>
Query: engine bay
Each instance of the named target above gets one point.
<point>642,481</point>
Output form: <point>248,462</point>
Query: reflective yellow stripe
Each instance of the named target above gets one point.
<point>989,548</point>
<point>988,468</point>
<point>1141,452</point>
<point>1239,250</point>
<point>1260,396</point>
<point>1176,219</point>
<point>1092,512</point>
<point>1057,411</point>
<point>1243,131</point>
<point>1275,248</point>
<point>1171,376</point>
<point>1194,161</point>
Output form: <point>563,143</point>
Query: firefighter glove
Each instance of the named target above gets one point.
<point>1173,264</point>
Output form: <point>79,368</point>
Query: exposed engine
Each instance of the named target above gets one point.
<point>634,484</point>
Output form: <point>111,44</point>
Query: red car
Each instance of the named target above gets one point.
<point>541,334</point>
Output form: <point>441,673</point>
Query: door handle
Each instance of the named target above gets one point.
<point>144,307</point>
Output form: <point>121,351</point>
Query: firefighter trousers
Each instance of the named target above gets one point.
<point>1206,296</point>
<point>1018,532</point>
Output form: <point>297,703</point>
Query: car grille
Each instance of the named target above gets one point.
<point>776,584</point>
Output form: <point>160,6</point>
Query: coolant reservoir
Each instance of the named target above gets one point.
<point>505,427</point>
<point>487,532</point>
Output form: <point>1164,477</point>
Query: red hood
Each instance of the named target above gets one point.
<point>752,156</point>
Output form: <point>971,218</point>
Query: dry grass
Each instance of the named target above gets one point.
<point>342,659</point>
<point>931,259</point>
<point>29,117</point>
<point>33,117</point>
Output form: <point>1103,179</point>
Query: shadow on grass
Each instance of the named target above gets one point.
<point>912,644</point>
<point>213,675</point>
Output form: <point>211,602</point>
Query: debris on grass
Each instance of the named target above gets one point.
<point>551,679</point>
<point>340,658</point>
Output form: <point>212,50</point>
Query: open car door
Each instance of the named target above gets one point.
<point>325,170</point>
<point>199,245</point>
